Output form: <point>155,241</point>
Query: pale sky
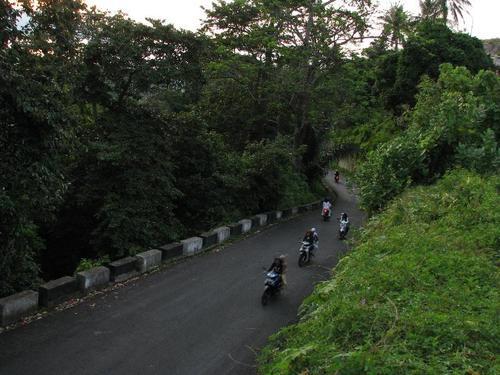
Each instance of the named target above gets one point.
<point>483,21</point>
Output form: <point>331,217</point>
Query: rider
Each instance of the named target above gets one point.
<point>345,219</point>
<point>279,266</point>
<point>327,205</point>
<point>312,238</point>
<point>337,175</point>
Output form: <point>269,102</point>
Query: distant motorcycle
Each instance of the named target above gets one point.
<point>305,253</point>
<point>344,227</point>
<point>272,286</point>
<point>337,178</point>
<point>326,214</point>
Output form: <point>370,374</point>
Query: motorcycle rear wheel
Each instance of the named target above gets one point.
<point>302,259</point>
<point>265,297</point>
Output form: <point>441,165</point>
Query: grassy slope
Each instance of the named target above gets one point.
<point>418,294</point>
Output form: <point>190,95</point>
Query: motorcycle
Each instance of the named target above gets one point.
<point>305,253</point>
<point>337,178</point>
<point>344,227</point>
<point>326,214</point>
<point>272,286</point>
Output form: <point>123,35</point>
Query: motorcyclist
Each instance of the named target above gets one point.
<point>345,219</point>
<point>279,266</point>
<point>337,176</point>
<point>327,205</point>
<point>312,238</point>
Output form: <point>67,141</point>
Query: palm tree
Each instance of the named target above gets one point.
<point>442,8</point>
<point>396,25</point>
<point>430,9</point>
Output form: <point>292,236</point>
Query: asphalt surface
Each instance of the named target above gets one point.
<point>202,316</point>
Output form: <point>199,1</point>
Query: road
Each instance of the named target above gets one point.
<point>201,316</point>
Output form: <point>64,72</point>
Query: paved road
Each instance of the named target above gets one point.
<point>202,316</point>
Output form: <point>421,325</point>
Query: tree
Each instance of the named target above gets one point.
<point>290,46</point>
<point>433,9</point>
<point>396,25</point>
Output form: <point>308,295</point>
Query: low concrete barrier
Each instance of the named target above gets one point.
<point>260,220</point>
<point>286,213</point>
<point>235,229</point>
<point>192,245</point>
<point>274,216</point>
<point>172,250</point>
<point>246,225</point>
<point>223,233</point>
<point>17,306</point>
<point>94,278</point>
<point>57,291</point>
<point>123,269</point>
<point>209,238</point>
<point>148,260</point>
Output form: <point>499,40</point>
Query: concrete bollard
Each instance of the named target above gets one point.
<point>57,291</point>
<point>235,229</point>
<point>279,215</point>
<point>123,269</point>
<point>148,260</point>
<point>171,251</point>
<point>246,225</point>
<point>295,210</point>
<point>192,245</point>
<point>223,233</point>
<point>95,278</point>
<point>17,306</point>
<point>260,219</point>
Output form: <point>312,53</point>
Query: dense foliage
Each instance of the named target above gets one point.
<point>116,136</point>
<point>419,293</point>
<point>455,117</point>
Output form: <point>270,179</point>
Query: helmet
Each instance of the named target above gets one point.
<point>313,229</point>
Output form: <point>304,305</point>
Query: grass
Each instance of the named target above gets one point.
<point>417,295</point>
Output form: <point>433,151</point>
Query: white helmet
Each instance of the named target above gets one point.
<point>313,229</point>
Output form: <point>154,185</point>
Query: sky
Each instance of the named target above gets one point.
<point>483,21</point>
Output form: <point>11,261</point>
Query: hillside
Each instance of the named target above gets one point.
<point>417,295</point>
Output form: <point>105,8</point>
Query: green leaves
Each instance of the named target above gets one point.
<point>418,293</point>
<point>447,113</point>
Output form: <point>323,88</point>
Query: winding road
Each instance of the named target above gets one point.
<point>201,316</point>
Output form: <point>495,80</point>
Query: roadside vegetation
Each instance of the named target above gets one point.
<point>418,293</point>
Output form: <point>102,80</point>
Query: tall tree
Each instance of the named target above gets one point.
<point>303,39</point>
<point>433,9</point>
<point>396,24</point>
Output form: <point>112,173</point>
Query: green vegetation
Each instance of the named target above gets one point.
<point>118,136</point>
<point>418,295</point>
<point>454,118</point>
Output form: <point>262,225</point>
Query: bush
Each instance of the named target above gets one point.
<point>452,111</point>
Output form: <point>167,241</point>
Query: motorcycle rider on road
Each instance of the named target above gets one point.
<point>345,219</point>
<point>327,205</point>
<point>279,266</point>
<point>312,237</point>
